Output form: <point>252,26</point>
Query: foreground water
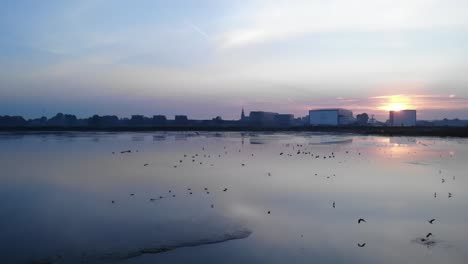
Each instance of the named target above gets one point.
<point>232,198</point>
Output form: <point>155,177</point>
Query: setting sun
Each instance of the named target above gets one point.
<point>395,103</point>
<point>395,107</point>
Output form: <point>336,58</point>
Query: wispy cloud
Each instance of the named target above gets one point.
<point>278,20</point>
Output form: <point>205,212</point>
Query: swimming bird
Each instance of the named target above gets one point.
<point>269,212</point>
<point>333,204</point>
<point>361,220</point>
<point>449,195</point>
<point>428,235</point>
<point>225,189</point>
<point>212,206</point>
<point>146,164</point>
<point>431,221</point>
<point>361,245</point>
<point>269,174</point>
<point>112,201</point>
<point>132,194</point>
<point>443,180</point>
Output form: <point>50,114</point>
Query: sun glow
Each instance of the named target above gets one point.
<point>395,103</point>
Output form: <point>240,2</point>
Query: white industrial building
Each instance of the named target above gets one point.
<point>330,117</point>
<point>402,118</point>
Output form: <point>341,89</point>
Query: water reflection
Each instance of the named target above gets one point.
<point>300,196</point>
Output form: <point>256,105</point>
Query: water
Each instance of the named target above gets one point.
<point>56,193</point>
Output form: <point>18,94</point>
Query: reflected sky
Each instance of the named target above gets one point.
<point>56,193</point>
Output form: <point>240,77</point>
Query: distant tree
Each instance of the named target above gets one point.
<point>362,119</point>
<point>12,121</point>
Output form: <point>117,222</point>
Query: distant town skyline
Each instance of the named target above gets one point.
<point>210,58</point>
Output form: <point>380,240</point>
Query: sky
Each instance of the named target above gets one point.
<point>206,58</point>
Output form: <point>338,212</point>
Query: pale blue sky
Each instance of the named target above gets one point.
<point>208,58</point>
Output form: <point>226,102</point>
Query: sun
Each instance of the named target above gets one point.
<point>395,103</point>
<point>396,107</point>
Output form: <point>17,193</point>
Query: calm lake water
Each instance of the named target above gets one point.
<point>75,198</point>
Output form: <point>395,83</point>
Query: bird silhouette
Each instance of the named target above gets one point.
<point>146,164</point>
<point>225,189</point>
<point>269,212</point>
<point>333,204</point>
<point>361,220</point>
<point>431,221</point>
<point>361,245</point>
<point>428,235</point>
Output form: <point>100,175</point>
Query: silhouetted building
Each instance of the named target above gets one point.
<point>270,119</point>
<point>104,121</point>
<point>181,120</point>
<point>159,120</point>
<point>402,118</point>
<point>330,117</point>
<point>284,120</point>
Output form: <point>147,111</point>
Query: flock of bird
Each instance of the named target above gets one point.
<point>297,149</point>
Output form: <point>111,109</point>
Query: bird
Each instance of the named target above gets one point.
<point>112,201</point>
<point>428,235</point>
<point>333,204</point>
<point>450,195</point>
<point>269,174</point>
<point>361,245</point>
<point>443,180</point>
<point>435,195</point>
<point>361,220</point>
<point>431,221</point>
<point>225,189</point>
<point>132,194</point>
<point>146,164</point>
<point>152,200</point>
<point>281,153</point>
<point>212,206</point>
<point>269,212</point>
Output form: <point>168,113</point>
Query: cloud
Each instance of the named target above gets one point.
<point>278,20</point>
